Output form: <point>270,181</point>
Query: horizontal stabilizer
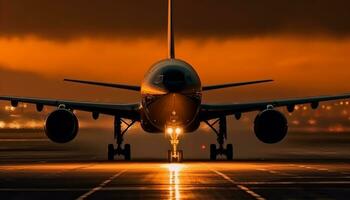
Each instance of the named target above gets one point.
<point>214,87</point>
<point>113,85</point>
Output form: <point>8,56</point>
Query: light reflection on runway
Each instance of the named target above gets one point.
<point>174,181</point>
<point>195,180</point>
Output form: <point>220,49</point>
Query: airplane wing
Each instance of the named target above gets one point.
<point>214,111</point>
<point>112,85</point>
<point>214,87</point>
<point>129,111</point>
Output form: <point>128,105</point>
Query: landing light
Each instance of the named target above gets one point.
<point>170,131</point>
<point>178,131</point>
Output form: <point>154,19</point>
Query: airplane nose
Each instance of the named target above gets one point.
<point>174,80</point>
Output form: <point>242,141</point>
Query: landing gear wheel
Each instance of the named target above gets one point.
<point>213,152</point>
<point>127,152</point>
<point>110,152</point>
<point>229,152</point>
<point>221,132</point>
<point>178,157</point>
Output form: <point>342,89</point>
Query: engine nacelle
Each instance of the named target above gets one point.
<point>61,126</point>
<point>270,126</point>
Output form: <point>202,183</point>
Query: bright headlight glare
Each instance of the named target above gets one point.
<point>170,130</point>
<point>178,131</point>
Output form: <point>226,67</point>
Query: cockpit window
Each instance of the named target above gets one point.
<point>174,75</point>
<point>159,79</point>
<point>189,79</point>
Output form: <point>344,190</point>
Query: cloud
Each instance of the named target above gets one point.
<point>66,19</point>
<point>299,66</point>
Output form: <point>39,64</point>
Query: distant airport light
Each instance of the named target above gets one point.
<point>312,122</point>
<point>2,124</point>
<point>14,125</point>
<point>10,108</point>
<point>344,112</point>
<point>295,122</point>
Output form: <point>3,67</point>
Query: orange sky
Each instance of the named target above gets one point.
<point>303,45</point>
<point>303,65</point>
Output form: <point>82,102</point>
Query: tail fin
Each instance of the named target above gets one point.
<point>171,39</point>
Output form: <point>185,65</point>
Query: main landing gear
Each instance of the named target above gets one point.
<point>221,137</point>
<point>119,138</point>
<point>174,155</point>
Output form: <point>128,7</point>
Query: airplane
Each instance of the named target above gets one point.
<point>171,104</point>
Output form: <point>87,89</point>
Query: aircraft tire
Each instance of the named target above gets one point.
<point>229,152</point>
<point>127,152</point>
<point>110,152</point>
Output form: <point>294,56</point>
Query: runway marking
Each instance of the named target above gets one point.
<point>320,169</point>
<point>186,188</point>
<point>240,186</point>
<point>99,187</point>
<point>295,183</point>
<point>275,172</point>
<point>315,168</point>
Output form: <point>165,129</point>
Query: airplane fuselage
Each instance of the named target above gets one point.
<point>171,96</point>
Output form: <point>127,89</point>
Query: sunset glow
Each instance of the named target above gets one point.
<point>305,57</point>
<point>287,58</point>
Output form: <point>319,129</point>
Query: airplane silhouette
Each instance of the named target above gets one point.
<point>171,103</point>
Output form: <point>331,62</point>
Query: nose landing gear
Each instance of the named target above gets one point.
<point>221,137</point>
<point>174,155</point>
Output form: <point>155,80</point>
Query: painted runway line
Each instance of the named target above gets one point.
<point>100,186</point>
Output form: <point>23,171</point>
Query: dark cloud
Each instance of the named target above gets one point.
<point>22,83</point>
<point>209,18</point>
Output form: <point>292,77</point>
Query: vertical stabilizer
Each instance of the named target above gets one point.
<point>171,39</point>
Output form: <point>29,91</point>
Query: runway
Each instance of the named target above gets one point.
<point>307,167</point>
<point>189,180</point>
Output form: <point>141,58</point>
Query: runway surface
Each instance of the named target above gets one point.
<point>189,180</point>
<point>306,167</point>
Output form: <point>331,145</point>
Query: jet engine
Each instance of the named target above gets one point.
<point>270,126</point>
<point>61,126</point>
